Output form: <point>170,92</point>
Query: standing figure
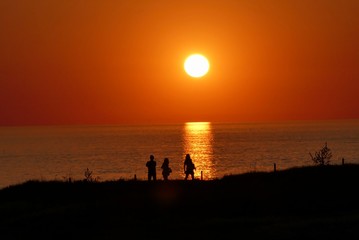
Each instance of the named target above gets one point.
<point>166,170</point>
<point>188,167</point>
<point>151,165</point>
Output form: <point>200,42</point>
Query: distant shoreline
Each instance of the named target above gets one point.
<point>156,124</point>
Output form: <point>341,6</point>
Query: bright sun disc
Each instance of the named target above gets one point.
<point>196,65</point>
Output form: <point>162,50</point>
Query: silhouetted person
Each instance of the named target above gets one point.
<point>166,170</point>
<point>151,165</point>
<point>188,167</point>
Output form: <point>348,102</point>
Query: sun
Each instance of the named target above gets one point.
<point>196,65</point>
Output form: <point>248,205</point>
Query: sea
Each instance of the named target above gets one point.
<point>120,152</point>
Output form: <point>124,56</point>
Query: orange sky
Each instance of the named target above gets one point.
<point>110,62</point>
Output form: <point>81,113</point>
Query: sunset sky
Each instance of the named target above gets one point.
<point>114,62</point>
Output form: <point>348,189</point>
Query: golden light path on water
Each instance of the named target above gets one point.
<point>198,142</point>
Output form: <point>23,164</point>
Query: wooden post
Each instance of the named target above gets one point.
<point>201,175</point>
<point>274,167</point>
<point>342,161</point>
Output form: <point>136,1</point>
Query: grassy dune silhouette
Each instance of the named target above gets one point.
<point>298,203</point>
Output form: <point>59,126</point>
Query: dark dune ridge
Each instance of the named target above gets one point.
<point>298,203</point>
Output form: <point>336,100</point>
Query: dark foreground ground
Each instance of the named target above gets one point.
<point>302,203</point>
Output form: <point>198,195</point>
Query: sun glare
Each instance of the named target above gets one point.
<point>196,65</point>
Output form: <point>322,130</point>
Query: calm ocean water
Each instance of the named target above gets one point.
<point>114,152</point>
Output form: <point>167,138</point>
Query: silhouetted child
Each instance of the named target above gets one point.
<point>151,165</point>
<point>166,170</point>
<point>189,167</point>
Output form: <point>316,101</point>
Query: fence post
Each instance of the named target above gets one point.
<point>342,161</point>
<point>201,175</point>
<point>135,178</point>
<point>274,167</point>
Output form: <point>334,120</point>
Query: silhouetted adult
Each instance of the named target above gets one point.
<point>188,167</point>
<point>166,170</point>
<point>151,165</point>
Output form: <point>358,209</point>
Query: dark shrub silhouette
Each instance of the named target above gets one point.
<point>88,176</point>
<point>322,157</point>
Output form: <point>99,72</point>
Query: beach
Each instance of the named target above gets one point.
<point>256,101</point>
<point>298,203</point>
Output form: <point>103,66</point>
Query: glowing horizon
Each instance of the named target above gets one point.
<point>121,62</point>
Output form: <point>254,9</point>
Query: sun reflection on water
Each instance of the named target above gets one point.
<point>198,142</point>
